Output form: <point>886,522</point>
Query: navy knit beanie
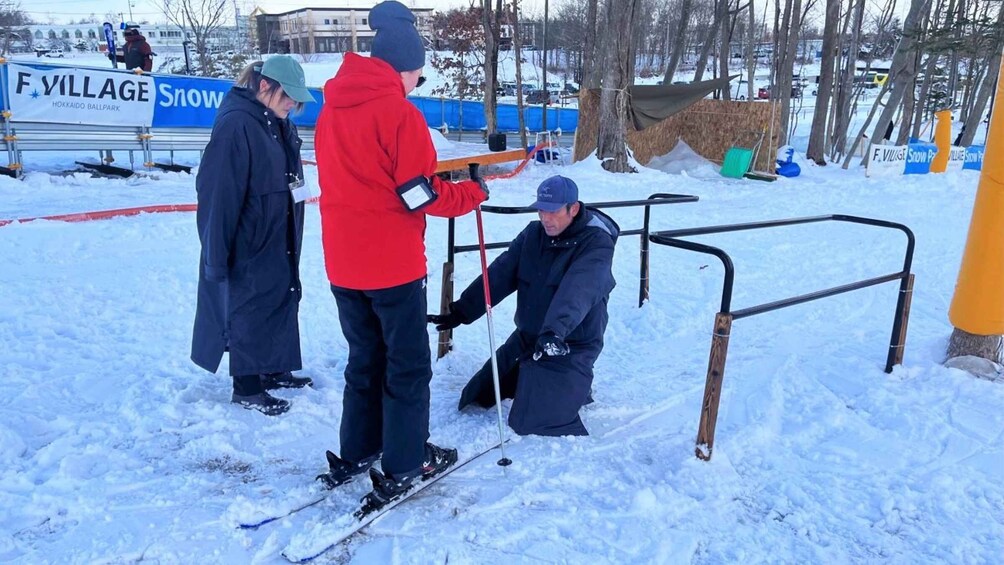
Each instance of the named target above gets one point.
<point>397,40</point>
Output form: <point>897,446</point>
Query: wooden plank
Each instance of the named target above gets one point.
<point>758,175</point>
<point>460,163</point>
<point>713,386</point>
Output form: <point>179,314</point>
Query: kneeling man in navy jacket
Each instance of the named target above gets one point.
<point>561,271</point>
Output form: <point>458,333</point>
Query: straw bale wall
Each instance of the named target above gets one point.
<point>710,127</point>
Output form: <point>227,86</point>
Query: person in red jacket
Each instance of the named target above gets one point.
<point>376,165</point>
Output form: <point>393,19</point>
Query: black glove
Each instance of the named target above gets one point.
<point>446,322</point>
<point>550,345</point>
<point>484,186</point>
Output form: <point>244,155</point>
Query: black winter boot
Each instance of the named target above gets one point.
<point>248,392</point>
<point>273,381</point>
<point>262,402</point>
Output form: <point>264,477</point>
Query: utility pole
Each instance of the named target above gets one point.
<point>130,11</point>
<point>237,29</point>
<point>547,92</point>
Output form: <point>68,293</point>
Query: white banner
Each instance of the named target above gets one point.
<point>79,96</point>
<point>956,158</point>
<point>886,160</point>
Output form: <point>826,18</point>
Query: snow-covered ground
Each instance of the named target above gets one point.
<point>116,448</point>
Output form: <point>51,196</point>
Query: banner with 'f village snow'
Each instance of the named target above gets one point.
<point>71,95</point>
<point>53,94</point>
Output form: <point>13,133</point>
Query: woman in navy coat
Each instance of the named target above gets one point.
<point>250,222</point>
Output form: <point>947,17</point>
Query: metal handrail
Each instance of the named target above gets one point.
<point>652,200</point>
<point>671,239</point>
<point>445,337</point>
<point>724,318</point>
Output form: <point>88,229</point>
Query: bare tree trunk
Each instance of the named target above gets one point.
<point>517,46</point>
<point>679,41</point>
<point>902,70</point>
<point>792,26</point>
<point>864,127</point>
<point>611,146</point>
<point>724,52</point>
<point>988,85</point>
<point>488,21</point>
<point>751,53</point>
<point>846,88</point>
<point>709,42</point>
<point>776,54</point>
<point>909,112</point>
<point>817,136</point>
<point>838,82</point>
<point>590,78</point>
<point>985,346</point>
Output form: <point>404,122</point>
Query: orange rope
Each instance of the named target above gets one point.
<point>158,209</point>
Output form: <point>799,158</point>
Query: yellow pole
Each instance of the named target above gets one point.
<point>978,304</point>
<point>943,139</point>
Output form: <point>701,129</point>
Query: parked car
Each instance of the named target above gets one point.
<point>55,53</point>
<point>542,97</point>
<point>570,88</point>
<point>764,92</point>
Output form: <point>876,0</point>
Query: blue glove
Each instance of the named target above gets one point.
<point>550,345</point>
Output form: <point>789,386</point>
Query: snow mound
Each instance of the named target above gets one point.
<point>684,160</point>
<point>439,140</point>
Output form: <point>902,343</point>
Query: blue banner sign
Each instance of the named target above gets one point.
<point>974,158</point>
<point>919,157</point>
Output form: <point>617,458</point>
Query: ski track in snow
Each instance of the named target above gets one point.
<point>118,449</point>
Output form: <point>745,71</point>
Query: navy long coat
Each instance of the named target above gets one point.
<point>562,285</point>
<point>251,232</point>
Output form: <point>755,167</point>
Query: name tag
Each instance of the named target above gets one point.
<point>300,190</point>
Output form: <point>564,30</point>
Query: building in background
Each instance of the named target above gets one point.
<point>324,30</point>
<point>163,38</point>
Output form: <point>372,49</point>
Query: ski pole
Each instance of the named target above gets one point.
<point>504,461</point>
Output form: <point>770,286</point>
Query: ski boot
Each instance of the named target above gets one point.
<point>387,488</point>
<point>341,471</point>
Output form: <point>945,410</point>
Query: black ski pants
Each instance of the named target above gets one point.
<point>386,402</point>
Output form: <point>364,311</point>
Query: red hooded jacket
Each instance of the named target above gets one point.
<point>369,140</point>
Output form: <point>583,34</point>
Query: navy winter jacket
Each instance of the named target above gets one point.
<point>561,283</point>
<point>251,233</point>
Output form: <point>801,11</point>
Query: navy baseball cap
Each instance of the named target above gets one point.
<point>555,193</point>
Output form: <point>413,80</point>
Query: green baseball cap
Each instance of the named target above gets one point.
<point>288,73</point>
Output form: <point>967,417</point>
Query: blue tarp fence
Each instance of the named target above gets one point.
<point>440,111</point>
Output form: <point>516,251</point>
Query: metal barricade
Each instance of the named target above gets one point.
<point>446,337</point>
<point>724,318</point>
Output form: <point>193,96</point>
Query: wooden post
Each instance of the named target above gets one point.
<point>643,282</point>
<point>446,296</point>
<point>713,386</point>
<point>643,275</point>
<point>900,346</point>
